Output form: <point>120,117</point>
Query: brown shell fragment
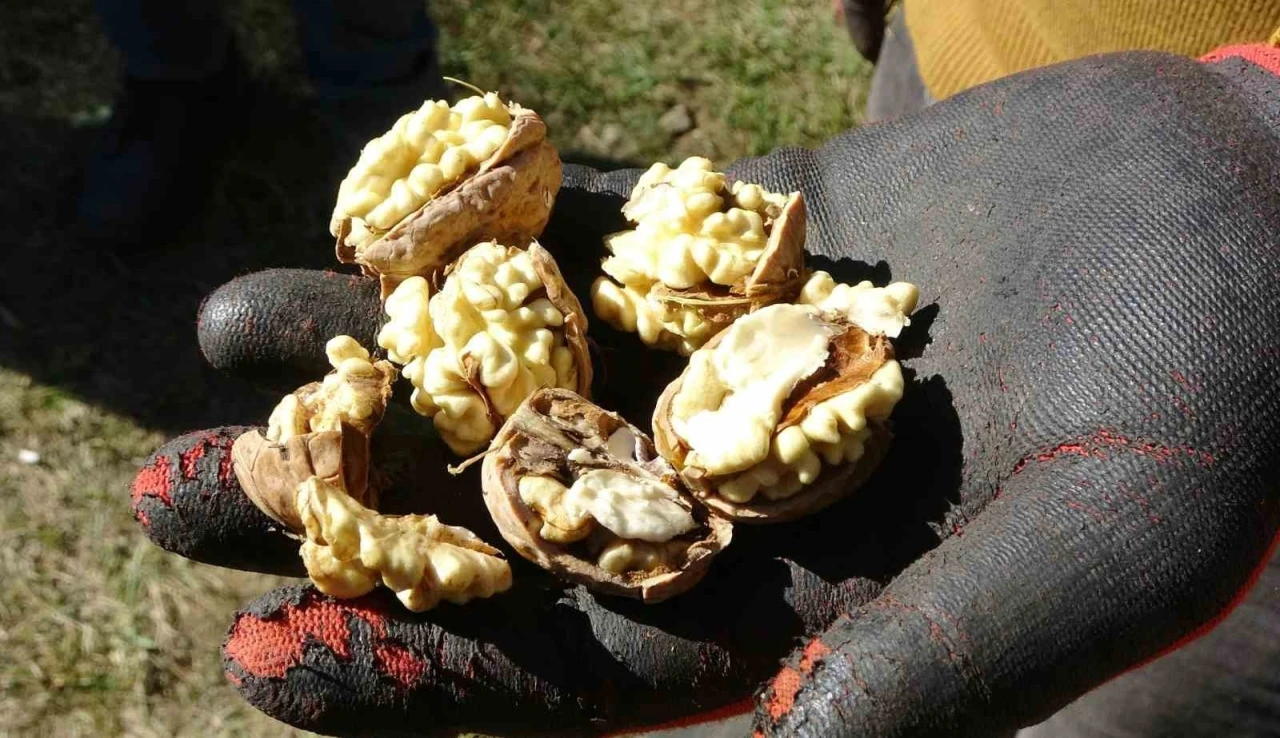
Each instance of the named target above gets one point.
<point>854,357</point>
<point>270,471</point>
<point>781,270</point>
<point>471,375</point>
<point>507,199</point>
<point>575,319</point>
<point>538,440</point>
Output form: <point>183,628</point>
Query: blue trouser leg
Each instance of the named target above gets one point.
<point>167,39</point>
<point>356,48</point>
<point>350,47</point>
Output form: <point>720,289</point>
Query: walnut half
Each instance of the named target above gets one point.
<point>503,324</point>
<point>782,414</point>
<point>350,549</point>
<point>703,253</point>
<point>442,179</point>
<point>583,494</point>
<point>310,472</point>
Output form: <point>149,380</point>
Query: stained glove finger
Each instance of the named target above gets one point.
<point>271,326</point>
<point>188,501</point>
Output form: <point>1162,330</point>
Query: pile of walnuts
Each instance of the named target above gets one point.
<point>782,409</point>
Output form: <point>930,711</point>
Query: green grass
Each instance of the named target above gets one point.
<point>103,633</point>
<point>753,75</point>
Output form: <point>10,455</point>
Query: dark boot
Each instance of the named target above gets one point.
<point>152,170</point>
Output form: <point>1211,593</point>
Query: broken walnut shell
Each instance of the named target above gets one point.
<point>558,435</point>
<point>270,472</point>
<point>271,465</point>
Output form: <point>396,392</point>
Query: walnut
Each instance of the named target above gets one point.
<point>350,549</point>
<point>583,494</point>
<point>878,310</point>
<point>780,415</point>
<point>321,430</point>
<point>442,179</point>
<point>503,325</point>
<point>310,472</point>
<point>703,253</point>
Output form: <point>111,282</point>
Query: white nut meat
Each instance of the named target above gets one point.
<point>426,151</point>
<point>729,409</point>
<point>350,549</point>
<point>639,512</point>
<point>783,394</point>
<point>350,394</point>
<point>834,432</point>
<point>878,310</point>
<point>545,496</point>
<point>622,556</point>
<point>503,325</point>
<point>629,506</point>
<point>702,253</point>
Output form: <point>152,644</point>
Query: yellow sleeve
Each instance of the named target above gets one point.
<point>963,43</point>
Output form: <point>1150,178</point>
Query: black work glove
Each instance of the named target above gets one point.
<point>1083,469</point>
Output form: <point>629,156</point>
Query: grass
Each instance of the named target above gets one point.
<point>103,633</point>
<point>753,76</point>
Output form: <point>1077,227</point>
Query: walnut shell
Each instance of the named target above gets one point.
<point>270,471</point>
<point>537,440</point>
<point>860,355</point>
<point>507,199</point>
<point>575,319</point>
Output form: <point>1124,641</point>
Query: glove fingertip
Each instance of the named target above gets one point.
<point>273,325</point>
<point>187,500</point>
<point>323,664</point>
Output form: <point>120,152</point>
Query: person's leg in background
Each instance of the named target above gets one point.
<point>163,40</point>
<point>183,96</point>
<point>370,62</point>
<point>896,87</point>
<point>182,79</point>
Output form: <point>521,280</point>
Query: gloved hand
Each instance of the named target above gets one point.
<point>1083,471</point>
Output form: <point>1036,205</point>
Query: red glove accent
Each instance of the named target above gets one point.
<point>1264,55</point>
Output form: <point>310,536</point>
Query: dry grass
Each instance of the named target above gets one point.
<point>103,633</point>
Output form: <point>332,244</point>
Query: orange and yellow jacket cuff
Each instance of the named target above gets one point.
<point>963,43</point>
